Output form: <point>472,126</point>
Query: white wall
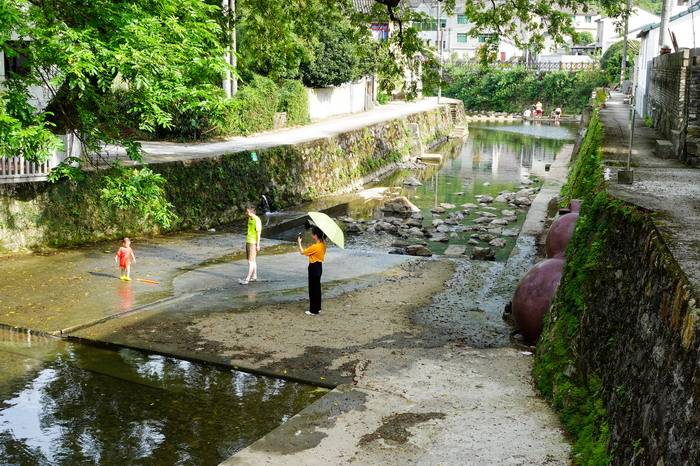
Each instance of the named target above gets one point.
<point>609,33</point>
<point>348,98</point>
<point>682,26</point>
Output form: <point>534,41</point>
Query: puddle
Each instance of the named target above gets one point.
<point>67,403</point>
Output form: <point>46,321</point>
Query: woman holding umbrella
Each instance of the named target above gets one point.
<point>316,253</point>
<point>323,228</point>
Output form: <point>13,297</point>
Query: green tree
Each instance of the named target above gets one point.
<point>583,38</point>
<point>334,60</point>
<point>611,61</point>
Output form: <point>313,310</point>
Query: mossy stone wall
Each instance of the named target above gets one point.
<point>619,356</point>
<point>212,191</point>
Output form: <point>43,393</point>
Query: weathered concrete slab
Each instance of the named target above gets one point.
<point>450,405</point>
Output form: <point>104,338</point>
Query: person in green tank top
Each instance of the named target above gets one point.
<point>252,244</point>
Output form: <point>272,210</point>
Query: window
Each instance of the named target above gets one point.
<point>431,25</point>
<point>482,39</point>
<point>462,19</point>
<point>462,38</point>
<point>588,18</point>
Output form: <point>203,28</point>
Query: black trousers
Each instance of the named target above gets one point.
<point>315,272</point>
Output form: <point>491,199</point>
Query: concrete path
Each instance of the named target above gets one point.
<point>661,185</point>
<point>158,152</point>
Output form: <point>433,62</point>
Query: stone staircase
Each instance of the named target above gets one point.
<point>459,132</point>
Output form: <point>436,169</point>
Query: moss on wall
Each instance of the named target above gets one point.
<point>618,353</point>
<point>210,191</point>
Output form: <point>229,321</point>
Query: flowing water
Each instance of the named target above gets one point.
<point>493,159</point>
<point>66,403</point>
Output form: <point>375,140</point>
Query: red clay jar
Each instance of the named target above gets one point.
<point>559,234</point>
<point>534,295</point>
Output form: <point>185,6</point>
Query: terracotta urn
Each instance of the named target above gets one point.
<point>534,295</point>
<point>560,234</point>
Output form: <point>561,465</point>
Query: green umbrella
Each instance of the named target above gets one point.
<point>329,228</point>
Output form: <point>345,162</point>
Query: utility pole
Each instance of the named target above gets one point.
<point>230,82</point>
<point>663,28</point>
<point>623,65</point>
<point>439,38</point>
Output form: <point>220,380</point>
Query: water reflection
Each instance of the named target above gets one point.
<point>80,405</point>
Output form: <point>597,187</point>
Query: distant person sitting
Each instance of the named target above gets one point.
<point>527,113</point>
<point>538,109</point>
<point>557,114</point>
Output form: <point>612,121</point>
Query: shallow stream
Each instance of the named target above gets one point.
<point>67,403</point>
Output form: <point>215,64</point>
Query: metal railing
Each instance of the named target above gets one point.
<point>19,170</point>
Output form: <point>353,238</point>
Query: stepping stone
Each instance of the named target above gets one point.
<point>455,250</point>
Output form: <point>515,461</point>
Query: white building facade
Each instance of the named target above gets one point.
<point>686,28</point>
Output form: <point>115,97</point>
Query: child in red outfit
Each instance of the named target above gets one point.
<point>125,256</point>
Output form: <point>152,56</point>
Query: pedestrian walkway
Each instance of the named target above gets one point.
<point>164,151</point>
<point>661,185</point>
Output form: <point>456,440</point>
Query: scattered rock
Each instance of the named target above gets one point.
<point>400,244</point>
<point>507,213</point>
<point>455,250</point>
<point>412,181</point>
<point>521,201</point>
<point>486,237</point>
<point>499,221</point>
<point>413,222</point>
<point>400,205</point>
<point>495,231</point>
<point>415,231</point>
<point>439,238</point>
<point>473,241</point>
<point>480,220</point>
<point>486,199</point>
<point>447,206</point>
<point>438,222</point>
<point>501,198</point>
<point>469,205</point>
<point>487,214</point>
<point>418,250</point>
<point>353,229</point>
<point>511,233</point>
<point>484,254</point>
<point>438,210</point>
<point>526,181</point>
<point>443,228</point>
<point>497,242</point>
<point>460,193</point>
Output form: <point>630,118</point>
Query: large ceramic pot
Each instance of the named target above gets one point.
<point>534,295</point>
<point>559,234</point>
<point>575,205</point>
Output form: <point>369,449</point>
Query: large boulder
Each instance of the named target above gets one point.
<point>400,205</point>
<point>534,295</point>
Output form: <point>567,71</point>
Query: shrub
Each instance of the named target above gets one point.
<point>514,89</point>
<point>294,100</point>
<point>252,109</point>
<point>611,60</point>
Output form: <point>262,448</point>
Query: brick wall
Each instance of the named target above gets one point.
<point>692,152</point>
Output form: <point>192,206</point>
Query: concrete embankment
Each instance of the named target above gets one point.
<point>209,184</point>
<point>620,352</point>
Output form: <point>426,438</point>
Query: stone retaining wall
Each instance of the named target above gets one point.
<point>212,191</point>
<point>639,335</point>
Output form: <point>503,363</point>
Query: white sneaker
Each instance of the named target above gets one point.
<point>242,282</point>
<point>309,313</point>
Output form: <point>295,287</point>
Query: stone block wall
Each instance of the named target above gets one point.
<point>213,191</point>
<point>673,96</point>
<point>637,333</point>
<point>692,153</point>
<point>667,90</point>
